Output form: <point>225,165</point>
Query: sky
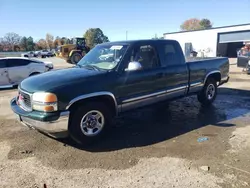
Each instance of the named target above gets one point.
<point>142,19</point>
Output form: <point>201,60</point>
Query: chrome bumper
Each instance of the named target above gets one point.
<point>57,127</point>
<point>51,127</point>
<point>224,80</point>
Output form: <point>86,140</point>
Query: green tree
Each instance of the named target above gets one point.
<point>23,44</point>
<point>95,36</point>
<point>30,44</point>
<point>64,40</point>
<point>27,44</point>
<point>205,24</point>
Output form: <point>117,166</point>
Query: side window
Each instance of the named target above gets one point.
<point>2,63</point>
<point>66,50</point>
<point>171,55</point>
<point>146,55</point>
<point>17,62</point>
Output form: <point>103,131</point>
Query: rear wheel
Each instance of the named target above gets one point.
<point>208,93</point>
<point>75,58</point>
<point>89,123</point>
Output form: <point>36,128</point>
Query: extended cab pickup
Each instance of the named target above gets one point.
<point>81,101</point>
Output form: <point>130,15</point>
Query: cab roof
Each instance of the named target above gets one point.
<point>137,41</point>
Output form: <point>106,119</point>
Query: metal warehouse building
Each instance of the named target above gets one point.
<point>218,41</point>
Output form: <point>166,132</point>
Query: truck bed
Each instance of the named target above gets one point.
<point>200,69</point>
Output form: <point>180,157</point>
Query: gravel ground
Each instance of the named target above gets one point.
<point>150,147</point>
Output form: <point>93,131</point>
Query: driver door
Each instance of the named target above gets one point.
<point>138,87</point>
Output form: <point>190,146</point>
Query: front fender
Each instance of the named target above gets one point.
<point>73,51</point>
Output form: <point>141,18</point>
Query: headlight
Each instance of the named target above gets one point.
<point>45,102</point>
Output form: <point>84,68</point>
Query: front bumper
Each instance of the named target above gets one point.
<point>55,125</point>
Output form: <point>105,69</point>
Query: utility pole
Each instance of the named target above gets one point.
<point>126,35</point>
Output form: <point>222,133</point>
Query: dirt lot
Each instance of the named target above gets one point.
<point>151,147</point>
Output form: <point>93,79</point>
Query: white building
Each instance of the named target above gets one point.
<point>218,41</point>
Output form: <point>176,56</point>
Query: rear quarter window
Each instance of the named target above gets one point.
<point>171,54</point>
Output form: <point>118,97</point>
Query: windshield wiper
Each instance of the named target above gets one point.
<point>92,67</point>
<point>77,65</point>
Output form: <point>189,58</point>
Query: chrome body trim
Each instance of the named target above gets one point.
<point>144,96</point>
<point>96,94</point>
<point>155,94</point>
<point>6,86</point>
<point>176,89</point>
<point>196,84</point>
<point>24,91</point>
<point>50,127</point>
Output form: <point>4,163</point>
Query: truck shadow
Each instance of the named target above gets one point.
<point>156,124</point>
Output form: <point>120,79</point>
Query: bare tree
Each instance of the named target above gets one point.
<point>11,40</point>
<point>50,41</point>
<point>41,44</point>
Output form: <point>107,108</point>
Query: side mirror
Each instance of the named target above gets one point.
<point>133,66</point>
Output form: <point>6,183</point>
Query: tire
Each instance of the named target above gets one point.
<point>209,92</point>
<point>83,134</point>
<point>75,58</point>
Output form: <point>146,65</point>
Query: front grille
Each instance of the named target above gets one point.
<point>24,100</point>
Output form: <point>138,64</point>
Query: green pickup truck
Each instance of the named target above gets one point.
<point>112,78</point>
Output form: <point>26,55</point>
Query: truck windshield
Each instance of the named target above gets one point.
<point>104,56</point>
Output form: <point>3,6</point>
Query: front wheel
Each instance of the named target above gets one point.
<point>75,58</point>
<point>209,92</point>
<point>89,122</point>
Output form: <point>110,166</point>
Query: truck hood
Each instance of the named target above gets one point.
<point>54,79</point>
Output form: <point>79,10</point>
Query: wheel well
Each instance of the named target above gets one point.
<point>34,73</point>
<point>216,76</point>
<point>108,100</point>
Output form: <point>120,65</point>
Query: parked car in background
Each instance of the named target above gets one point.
<point>29,54</point>
<point>82,101</point>
<point>42,53</point>
<point>49,65</point>
<point>37,53</point>
<point>45,53</point>
<point>13,70</point>
<point>50,54</point>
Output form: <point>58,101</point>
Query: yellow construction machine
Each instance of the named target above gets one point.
<point>74,52</point>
